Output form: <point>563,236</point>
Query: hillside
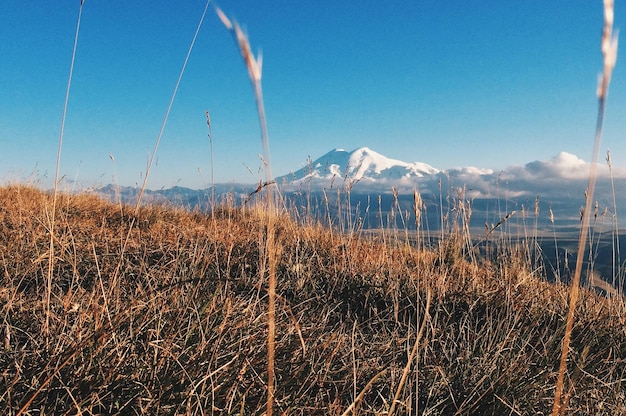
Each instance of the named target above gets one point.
<point>164,312</point>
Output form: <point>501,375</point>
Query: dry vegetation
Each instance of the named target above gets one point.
<point>173,321</point>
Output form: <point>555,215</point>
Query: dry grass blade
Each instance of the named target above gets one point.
<point>254,67</point>
<point>271,253</point>
<point>502,221</point>
<point>169,109</point>
<point>405,373</point>
<point>144,185</point>
<point>609,52</point>
<point>359,398</point>
<point>56,175</point>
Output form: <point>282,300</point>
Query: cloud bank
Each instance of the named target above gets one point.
<point>363,170</point>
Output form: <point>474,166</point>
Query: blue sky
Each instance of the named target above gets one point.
<point>490,84</point>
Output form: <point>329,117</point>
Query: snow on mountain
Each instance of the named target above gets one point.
<point>360,165</point>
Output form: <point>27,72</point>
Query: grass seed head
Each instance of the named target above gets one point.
<point>609,50</point>
<point>253,65</point>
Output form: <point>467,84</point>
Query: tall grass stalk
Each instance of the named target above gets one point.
<point>118,196</point>
<point>254,66</point>
<point>441,216</point>
<point>609,53</point>
<point>535,242</point>
<point>56,175</point>
<point>413,354</point>
<point>615,255</point>
<point>169,108</point>
<point>156,147</point>
<point>418,206</point>
<point>557,272</point>
<point>210,134</point>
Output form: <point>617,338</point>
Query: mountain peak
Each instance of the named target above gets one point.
<point>359,165</point>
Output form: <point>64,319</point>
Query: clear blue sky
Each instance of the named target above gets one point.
<point>484,83</point>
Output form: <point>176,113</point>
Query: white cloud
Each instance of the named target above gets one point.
<point>564,166</point>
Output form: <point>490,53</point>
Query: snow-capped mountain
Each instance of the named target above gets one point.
<point>360,165</point>
<point>560,178</point>
<point>559,183</point>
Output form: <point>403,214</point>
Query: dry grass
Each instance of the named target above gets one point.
<point>272,247</point>
<point>609,53</point>
<point>183,331</point>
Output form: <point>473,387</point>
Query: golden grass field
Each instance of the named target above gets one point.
<point>115,309</point>
<point>170,318</point>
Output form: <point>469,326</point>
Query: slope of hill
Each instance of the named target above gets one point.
<point>163,311</point>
